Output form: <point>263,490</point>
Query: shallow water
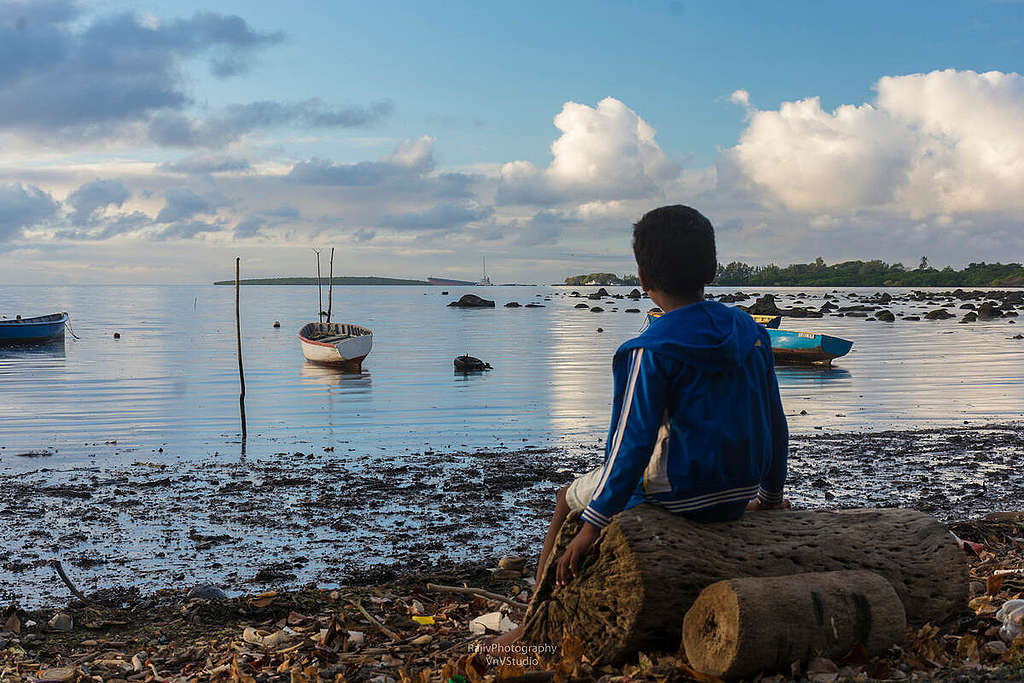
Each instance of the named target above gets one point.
<point>171,380</point>
<point>409,463</point>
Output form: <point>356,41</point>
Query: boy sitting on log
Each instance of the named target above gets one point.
<point>697,423</point>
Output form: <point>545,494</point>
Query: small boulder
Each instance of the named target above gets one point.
<point>470,364</point>
<point>512,304</point>
<point>634,294</point>
<point>969,317</point>
<point>534,305</point>
<point>597,309</point>
<point>472,301</point>
<point>206,591</point>
<point>989,311</point>
<point>632,310</point>
<point>582,306</point>
<point>885,316</point>
<point>62,622</point>
<point>763,306</point>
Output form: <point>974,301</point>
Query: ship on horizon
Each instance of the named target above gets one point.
<point>484,281</point>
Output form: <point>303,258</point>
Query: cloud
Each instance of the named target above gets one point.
<point>250,226</point>
<point>175,129</point>
<point>83,79</point>
<point>92,197</point>
<point>604,153</point>
<point>182,203</point>
<point>740,97</point>
<point>201,164</point>
<point>439,217</point>
<point>188,229</point>
<point>411,159</point>
<point>23,207</point>
<point>942,142</point>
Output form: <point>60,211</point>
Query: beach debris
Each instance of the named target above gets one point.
<point>495,622</point>
<point>468,363</point>
<point>58,675</point>
<point>472,301</point>
<point>1011,616</point>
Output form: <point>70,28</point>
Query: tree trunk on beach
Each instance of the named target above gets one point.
<point>739,627</point>
<point>648,566</point>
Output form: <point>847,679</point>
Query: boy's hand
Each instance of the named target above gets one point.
<point>576,550</point>
<point>758,505</point>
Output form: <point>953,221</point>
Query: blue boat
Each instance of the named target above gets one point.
<point>793,347</point>
<point>807,347</point>
<point>33,330</point>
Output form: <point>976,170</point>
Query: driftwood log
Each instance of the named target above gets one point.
<point>739,627</point>
<point>648,566</point>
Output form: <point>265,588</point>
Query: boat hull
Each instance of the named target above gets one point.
<point>33,330</point>
<point>347,353</point>
<point>804,347</point>
<point>789,346</point>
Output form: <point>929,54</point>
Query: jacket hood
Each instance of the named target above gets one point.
<point>706,334</point>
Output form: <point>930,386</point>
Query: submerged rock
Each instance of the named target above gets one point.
<point>634,294</point>
<point>472,301</point>
<point>885,316</point>
<point>470,364</point>
<point>512,304</point>
<point>582,306</point>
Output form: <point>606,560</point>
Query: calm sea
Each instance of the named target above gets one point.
<point>171,380</point>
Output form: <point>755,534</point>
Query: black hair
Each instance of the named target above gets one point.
<point>675,250</point>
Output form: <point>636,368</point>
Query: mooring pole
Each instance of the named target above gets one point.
<point>330,288</point>
<point>319,289</point>
<point>238,335</point>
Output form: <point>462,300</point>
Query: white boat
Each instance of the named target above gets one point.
<point>341,344</point>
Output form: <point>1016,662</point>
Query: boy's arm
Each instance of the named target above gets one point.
<point>644,397</point>
<point>769,493</point>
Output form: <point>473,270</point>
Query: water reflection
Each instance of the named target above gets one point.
<point>334,376</point>
<point>49,349</point>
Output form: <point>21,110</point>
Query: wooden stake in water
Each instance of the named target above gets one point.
<point>238,334</point>
<point>319,289</point>
<point>330,288</point>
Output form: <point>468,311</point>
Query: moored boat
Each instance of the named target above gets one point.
<point>341,344</point>
<point>33,330</point>
<point>790,346</point>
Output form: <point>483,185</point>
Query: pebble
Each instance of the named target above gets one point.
<point>512,562</point>
<point>995,647</point>
<point>62,621</point>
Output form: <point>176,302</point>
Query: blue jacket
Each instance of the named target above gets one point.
<point>697,423</point>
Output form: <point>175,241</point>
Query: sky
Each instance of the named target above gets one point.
<point>152,142</point>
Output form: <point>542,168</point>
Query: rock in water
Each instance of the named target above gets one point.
<point>277,323</point>
<point>470,364</point>
<point>512,304</point>
<point>938,314</point>
<point>634,294</point>
<point>763,306</point>
<point>472,301</point>
<point>886,316</point>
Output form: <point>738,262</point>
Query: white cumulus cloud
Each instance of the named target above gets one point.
<point>604,153</point>
<point>945,142</point>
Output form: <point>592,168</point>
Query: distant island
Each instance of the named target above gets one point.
<point>603,279</point>
<point>846,274</point>
<point>869,274</point>
<point>371,280</point>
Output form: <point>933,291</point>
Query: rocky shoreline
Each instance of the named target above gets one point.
<point>410,629</point>
<point>330,519</point>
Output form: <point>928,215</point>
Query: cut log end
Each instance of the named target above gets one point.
<point>739,627</point>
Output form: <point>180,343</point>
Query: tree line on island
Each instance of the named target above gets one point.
<point>875,273</point>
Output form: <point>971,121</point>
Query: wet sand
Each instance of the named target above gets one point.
<point>321,517</point>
